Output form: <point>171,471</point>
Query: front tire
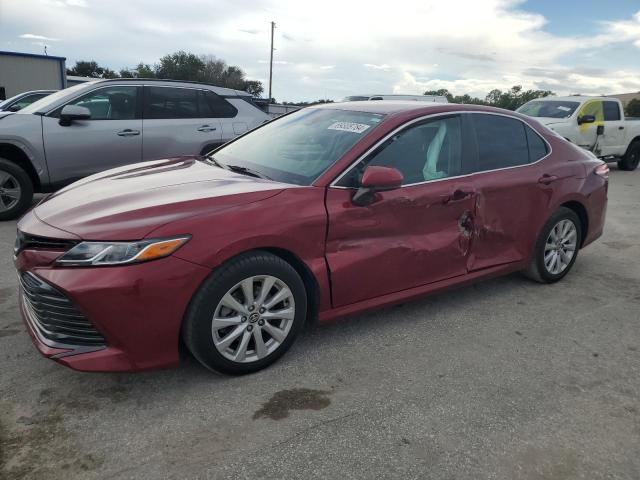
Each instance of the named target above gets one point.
<point>16,190</point>
<point>631,159</point>
<point>557,247</point>
<point>246,314</point>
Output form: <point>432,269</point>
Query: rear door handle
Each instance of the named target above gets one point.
<point>206,128</point>
<point>456,196</point>
<point>127,132</point>
<point>547,179</point>
<point>621,127</point>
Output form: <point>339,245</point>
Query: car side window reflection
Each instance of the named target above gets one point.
<point>427,151</point>
<point>111,103</point>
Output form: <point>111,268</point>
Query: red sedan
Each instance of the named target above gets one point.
<point>322,213</point>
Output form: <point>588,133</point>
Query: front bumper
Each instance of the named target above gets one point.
<point>137,308</point>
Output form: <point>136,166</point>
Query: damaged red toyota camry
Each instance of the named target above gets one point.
<point>322,213</point>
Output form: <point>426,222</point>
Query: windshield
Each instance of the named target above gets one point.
<point>549,108</point>
<point>42,105</point>
<point>298,147</point>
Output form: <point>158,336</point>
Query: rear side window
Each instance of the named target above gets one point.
<point>611,111</point>
<point>169,102</point>
<point>502,142</point>
<point>214,106</point>
<point>537,146</point>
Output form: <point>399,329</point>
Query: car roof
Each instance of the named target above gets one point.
<point>393,107</point>
<point>186,83</point>
<point>575,98</point>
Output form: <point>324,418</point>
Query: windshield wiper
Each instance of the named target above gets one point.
<point>210,159</point>
<point>247,171</point>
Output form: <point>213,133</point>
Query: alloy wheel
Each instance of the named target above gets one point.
<point>10,191</point>
<point>560,246</point>
<point>253,318</point>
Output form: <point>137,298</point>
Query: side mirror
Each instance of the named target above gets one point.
<point>376,179</point>
<point>586,119</point>
<point>73,112</point>
<point>14,108</point>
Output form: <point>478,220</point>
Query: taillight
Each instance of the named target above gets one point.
<point>602,170</point>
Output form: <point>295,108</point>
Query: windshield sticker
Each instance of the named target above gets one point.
<point>564,109</point>
<point>348,127</point>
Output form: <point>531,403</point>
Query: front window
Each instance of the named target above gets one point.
<point>110,103</point>
<point>430,150</point>
<point>298,147</point>
<point>43,105</point>
<point>549,108</point>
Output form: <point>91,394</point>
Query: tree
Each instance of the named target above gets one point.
<point>514,98</point>
<point>511,99</point>
<point>180,66</point>
<point>141,71</point>
<point>633,108</point>
<point>254,87</point>
<point>90,68</point>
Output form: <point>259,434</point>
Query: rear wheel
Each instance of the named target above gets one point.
<point>16,190</point>
<point>557,247</point>
<point>631,159</point>
<point>246,315</point>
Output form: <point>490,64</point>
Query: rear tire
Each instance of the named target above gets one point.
<point>557,247</point>
<point>246,314</point>
<point>631,159</point>
<point>16,190</point>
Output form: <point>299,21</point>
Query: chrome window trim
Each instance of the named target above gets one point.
<point>435,115</point>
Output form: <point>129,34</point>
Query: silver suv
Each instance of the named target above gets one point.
<point>99,125</point>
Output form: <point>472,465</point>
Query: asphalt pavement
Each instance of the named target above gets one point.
<point>504,379</point>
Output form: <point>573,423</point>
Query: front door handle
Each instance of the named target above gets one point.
<point>457,196</point>
<point>547,179</point>
<point>206,128</point>
<point>127,132</point>
<point>621,127</point>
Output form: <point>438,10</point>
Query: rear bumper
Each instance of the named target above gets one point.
<point>137,308</point>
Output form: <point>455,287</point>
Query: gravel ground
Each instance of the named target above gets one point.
<point>505,379</point>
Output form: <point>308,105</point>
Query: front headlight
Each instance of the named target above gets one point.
<point>118,253</point>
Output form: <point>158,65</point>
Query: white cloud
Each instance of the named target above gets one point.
<point>467,46</point>
<point>31,36</point>
<point>627,30</point>
<point>384,66</point>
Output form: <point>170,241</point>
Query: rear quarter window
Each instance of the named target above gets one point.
<point>537,146</point>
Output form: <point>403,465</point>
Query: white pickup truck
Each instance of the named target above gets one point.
<point>594,123</point>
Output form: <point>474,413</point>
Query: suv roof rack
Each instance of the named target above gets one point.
<point>147,79</point>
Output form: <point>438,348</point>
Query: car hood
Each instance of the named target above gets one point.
<point>552,121</point>
<point>5,113</point>
<point>127,203</point>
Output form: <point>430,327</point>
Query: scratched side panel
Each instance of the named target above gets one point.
<point>408,237</point>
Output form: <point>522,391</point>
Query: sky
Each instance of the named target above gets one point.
<point>331,48</point>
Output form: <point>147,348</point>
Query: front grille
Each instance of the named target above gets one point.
<point>25,241</point>
<point>54,316</point>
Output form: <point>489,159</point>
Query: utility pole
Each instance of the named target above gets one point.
<point>273,26</point>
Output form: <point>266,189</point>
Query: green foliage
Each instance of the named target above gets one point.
<point>307,104</point>
<point>84,68</point>
<point>511,99</point>
<point>633,108</point>
<point>180,65</point>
